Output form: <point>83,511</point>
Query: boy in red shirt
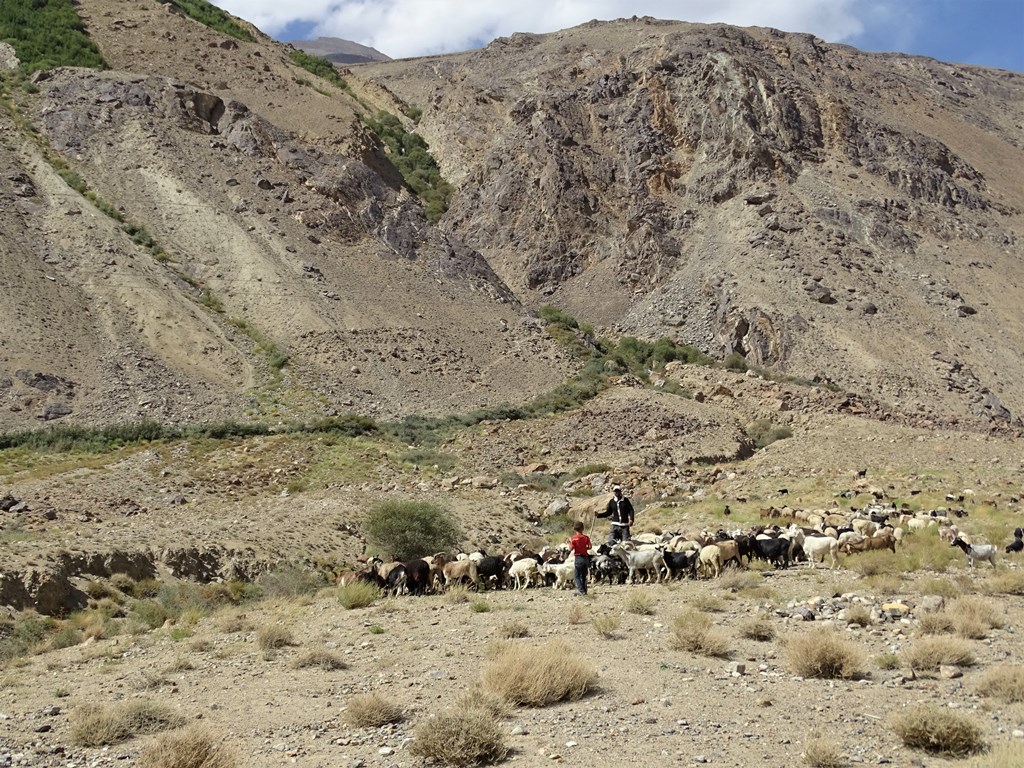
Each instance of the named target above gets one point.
<point>580,545</point>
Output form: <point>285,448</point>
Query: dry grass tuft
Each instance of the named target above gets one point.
<point>858,614</point>
<point>941,587</point>
<point>319,659</point>
<point>758,628</point>
<point>358,594</point>
<point>576,614</point>
<point>707,603</point>
<point>640,603</point>
<point>974,617</point>
<point>938,623</point>
<point>1004,755</point>
<point>513,629</point>
<point>696,633</point>
<point>1005,682</point>
<point>456,594</point>
<point>192,747</point>
<point>461,738</point>
<point>929,653</point>
<point>1005,583</point>
<point>94,725</point>
<point>938,730</point>
<point>826,654</point>
<point>536,676</point>
<point>735,580</point>
<point>821,753</point>
<point>371,710</point>
<point>888,661</point>
<point>606,625</point>
<point>274,637</point>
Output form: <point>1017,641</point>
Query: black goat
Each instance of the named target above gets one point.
<point>1017,545</point>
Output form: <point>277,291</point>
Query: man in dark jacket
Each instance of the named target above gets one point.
<point>621,512</point>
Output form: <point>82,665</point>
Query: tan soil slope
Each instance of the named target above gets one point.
<point>282,231</point>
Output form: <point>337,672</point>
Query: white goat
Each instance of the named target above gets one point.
<point>976,551</point>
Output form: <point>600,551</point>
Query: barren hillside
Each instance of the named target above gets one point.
<point>749,190</point>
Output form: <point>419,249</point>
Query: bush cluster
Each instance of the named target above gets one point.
<point>410,154</point>
<point>406,529</point>
<point>213,17</point>
<point>47,34</point>
<point>318,66</point>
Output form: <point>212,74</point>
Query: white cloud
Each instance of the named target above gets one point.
<point>416,27</point>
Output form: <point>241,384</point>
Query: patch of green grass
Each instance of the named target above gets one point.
<point>320,67</point>
<point>47,34</point>
<point>410,154</point>
<point>212,17</point>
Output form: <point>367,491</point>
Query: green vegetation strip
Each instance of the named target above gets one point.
<point>318,66</point>
<point>410,154</point>
<point>213,17</point>
<point>47,34</point>
<point>68,438</point>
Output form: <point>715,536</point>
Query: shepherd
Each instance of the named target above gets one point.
<point>620,510</point>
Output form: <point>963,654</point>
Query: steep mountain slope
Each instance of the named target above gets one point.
<point>748,190</point>
<point>239,215</point>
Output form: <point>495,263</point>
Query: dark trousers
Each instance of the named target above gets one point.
<point>581,565</point>
<point>619,533</point>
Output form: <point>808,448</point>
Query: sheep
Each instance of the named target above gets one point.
<point>493,570</point>
<point>816,547</point>
<point>646,560</point>
<point>709,561</point>
<point>524,572</point>
<point>948,532</point>
<point>976,551</point>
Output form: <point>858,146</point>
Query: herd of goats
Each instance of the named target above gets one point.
<point>810,536</point>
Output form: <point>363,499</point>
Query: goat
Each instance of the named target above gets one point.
<point>1017,545</point>
<point>418,579</point>
<point>775,551</point>
<point>604,566</point>
<point>524,572</point>
<point>976,551</point>
<point>493,570</point>
<point>646,560</point>
<point>461,570</point>
<point>884,539</point>
<point>709,561</point>
<point>679,563</point>
<point>816,547</point>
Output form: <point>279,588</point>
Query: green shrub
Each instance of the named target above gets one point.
<point>291,581</point>
<point>213,17</point>
<point>410,154</point>
<point>763,433</point>
<point>47,34</point>
<point>407,529</point>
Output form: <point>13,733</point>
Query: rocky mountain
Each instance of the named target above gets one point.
<point>207,230</point>
<point>749,190</point>
<point>340,51</point>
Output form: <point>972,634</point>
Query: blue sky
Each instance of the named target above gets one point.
<point>984,32</point>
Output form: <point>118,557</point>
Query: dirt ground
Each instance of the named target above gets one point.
<point>650,702</point>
